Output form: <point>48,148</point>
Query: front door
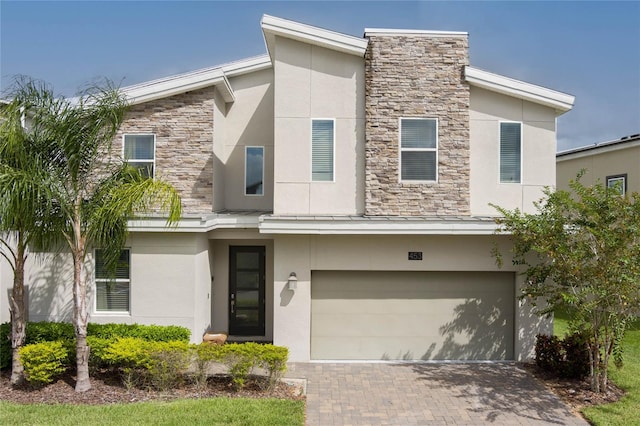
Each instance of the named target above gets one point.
<point>246,290</point>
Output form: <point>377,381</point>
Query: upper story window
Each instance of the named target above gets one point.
<point>112,291</point>
<point>510,152</point>
<point>139,151</point>
<point>322,146</point>
<point>254,170</point>
<point>418,149</point>
<point>619,182</point>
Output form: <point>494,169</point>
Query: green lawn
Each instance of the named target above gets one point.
<point>214,411</point>
<point>627,410</point>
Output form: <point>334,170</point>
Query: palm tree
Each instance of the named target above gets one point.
<point>92,192</point>
<point>24,206</point>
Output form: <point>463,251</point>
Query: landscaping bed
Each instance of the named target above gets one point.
<point>108,388</point>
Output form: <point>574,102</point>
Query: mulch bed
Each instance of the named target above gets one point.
<point>107,388</point>
<point>575,393</point>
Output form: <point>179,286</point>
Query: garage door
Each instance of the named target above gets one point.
<point>412,315</point>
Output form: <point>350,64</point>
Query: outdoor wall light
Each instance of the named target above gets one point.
<point>292,281</point>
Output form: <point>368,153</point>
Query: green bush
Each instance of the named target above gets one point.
<point>169,362</point>
<point>53,331</point>
<point>43,361</point>
<point>568,357</point>
<point>5,345</point>
<point>153,333</point>
<point>274,360</point>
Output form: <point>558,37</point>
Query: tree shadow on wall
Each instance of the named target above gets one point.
<point>50,289</point>
<point>480,330</point>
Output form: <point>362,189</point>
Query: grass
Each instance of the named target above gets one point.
<point>214,411</point>
<point>627,410</point>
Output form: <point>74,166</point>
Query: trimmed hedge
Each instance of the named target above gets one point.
<point>568,357</point>
<point>43,361</point>
<point>37,332</point>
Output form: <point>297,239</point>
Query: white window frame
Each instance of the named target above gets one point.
<point>333,165</point>
<point>152,162</point>
<point>401,149</point>
<point>521,152</point>
<point>246,150</point>
<point>97,280</point>
<point>619,177</point>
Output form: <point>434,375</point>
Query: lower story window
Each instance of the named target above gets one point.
<point>112,286</point>
<point>618,182</point>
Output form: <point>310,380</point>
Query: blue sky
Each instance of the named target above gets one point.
<point>588,49</point>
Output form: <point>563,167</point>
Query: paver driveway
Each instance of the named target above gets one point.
<point>420,394</point>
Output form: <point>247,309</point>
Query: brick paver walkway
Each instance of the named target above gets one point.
<point>427,394</point>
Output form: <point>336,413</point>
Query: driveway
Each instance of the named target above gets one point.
<point>420,394</point>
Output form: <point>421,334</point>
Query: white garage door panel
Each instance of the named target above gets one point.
<point>412,315</point>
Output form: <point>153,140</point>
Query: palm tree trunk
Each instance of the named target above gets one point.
<point>18,317</point>
<point>81,312</point>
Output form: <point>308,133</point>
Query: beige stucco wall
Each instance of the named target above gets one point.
<point>248,122</point>
<point>303,254</point>
<point>599,165</point>
<point>487,109</point>
<point>314,82</point>
<point>219,249</point>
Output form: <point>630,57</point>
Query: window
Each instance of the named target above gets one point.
<point>322,141</point>
<point>619,182</point>
<point>510,152</point>
<point>139,151</point>
<point>112,292</point>
<point>254,170</point>
<point>418,149</point>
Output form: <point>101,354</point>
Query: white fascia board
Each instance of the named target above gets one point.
<point>400,32</point>
<point>561,102</point>
<point>595,150</point>
<point>183,83</point>
<point>272,26</point>
<point>245,66</point>
<point>193,224</point>
<point>375,227</point>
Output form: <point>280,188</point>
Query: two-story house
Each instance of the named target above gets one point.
<point>336,194</point>
<point>610,163</point>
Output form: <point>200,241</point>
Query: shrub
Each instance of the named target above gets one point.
<point>204,355</point>
<point>169,361</point>
<point>5,345</point>
<point>274,360</point>
<point>568,357</point>
<point>153,333</point>
<point>43,361</point>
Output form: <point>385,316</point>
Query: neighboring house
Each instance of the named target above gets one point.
<point>611,163</point>
<point>336,194</point>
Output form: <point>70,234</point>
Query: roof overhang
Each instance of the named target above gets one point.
<point>369,225</point>
<point>559,101</point>
<point>596,149</point>
<point>206,77</point>
<point>272,27</point>
<point>267,223</point>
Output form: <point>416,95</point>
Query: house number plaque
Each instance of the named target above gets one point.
<point>415,255</point>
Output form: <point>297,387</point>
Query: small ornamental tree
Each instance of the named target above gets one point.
<point>581,252</point>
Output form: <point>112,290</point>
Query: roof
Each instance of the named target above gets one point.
<point>598,148</point>
<point>561,102</point>
<point>272,27</point>
<point>214,76</point>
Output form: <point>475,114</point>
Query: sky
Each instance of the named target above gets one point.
<point>588,49</point>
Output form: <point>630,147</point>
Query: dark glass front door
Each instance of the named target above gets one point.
<point>246,290</point>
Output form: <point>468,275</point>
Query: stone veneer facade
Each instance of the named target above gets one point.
<point>416,75</point>
<point>183,126</point>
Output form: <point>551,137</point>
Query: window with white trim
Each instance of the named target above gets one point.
<point>618,182</point>
<point>418,149</point>
<point>510,152</point>
<point>322,145</point>
<point>253,170</point>
<point>112,287</point>
<point>139,152</point>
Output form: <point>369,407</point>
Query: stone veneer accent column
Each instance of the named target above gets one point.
<point>416,75</point>
<point>183,125</point>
